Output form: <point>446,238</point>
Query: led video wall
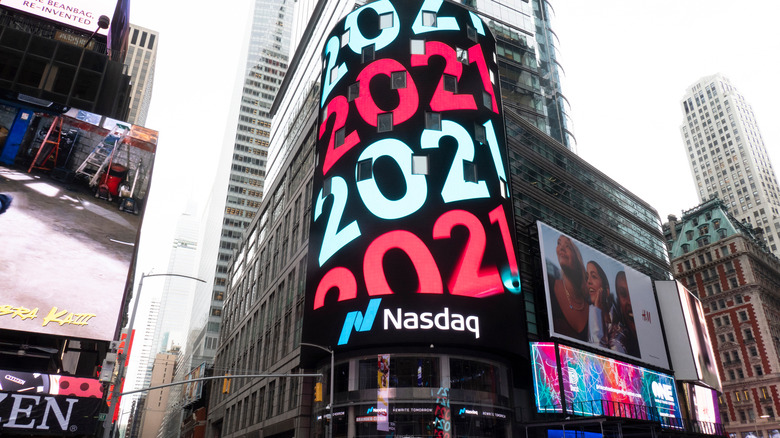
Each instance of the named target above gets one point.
<point>595,385</point>
<point>411,233</point>
<point>48,404</point>
<point>595,300</point>
<point>66,253</point>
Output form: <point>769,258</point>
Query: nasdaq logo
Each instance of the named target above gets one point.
<point>359,321</point>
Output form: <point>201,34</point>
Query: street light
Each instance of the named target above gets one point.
<point>330,423</point>
<point>121,358</point>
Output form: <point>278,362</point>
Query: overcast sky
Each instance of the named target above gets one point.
<point>627,65</point>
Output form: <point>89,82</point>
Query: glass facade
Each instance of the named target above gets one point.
<point>553,185</point>
<point>421,389</point>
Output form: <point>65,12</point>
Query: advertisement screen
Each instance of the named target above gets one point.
<point>547,387</point>
<point>595,300</point>
<point>54,415</point>
<point>699,337</point>
<point>48,404</point>
<point>82,14</point>
<point>411,233</point>
<point>69,225</point>
<point>704,405</point>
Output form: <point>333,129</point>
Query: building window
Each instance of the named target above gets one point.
<point>743,316</point>
<point>759,370</point>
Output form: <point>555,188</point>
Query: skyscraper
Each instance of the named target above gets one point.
<point>266,65</point>
<point>140,61</point>
<point>727,155</point>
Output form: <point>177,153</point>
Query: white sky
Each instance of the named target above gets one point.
<point>628,64</point>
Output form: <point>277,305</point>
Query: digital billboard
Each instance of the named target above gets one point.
<point>48,404</point>
<point>692,355</point>
<point>411,233</point>
<point>595,385</point>
<point>595,300</point>
<point>82,14</point>
<point>547,383</point>
<point>68,246</point>
<point>704,407</point>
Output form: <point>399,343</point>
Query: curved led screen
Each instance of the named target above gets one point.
<point>411,234</point>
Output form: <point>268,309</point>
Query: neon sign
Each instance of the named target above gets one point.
<point>411,201</point>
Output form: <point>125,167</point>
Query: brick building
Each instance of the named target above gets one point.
<point>728,265</point>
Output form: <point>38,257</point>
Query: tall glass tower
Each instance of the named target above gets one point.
<point>727,155</point>
<point>528,65</point>
<point>266,65</point>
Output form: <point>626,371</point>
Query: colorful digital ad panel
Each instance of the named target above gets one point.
<point>411,232</point>
<point>704,407</point>
<point>547,388</point>
<point>68,236</point>
<point>596,385</point>
<point>595,300</point>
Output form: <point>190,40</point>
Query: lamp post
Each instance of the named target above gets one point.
<point>330,423</point>
<point>121,358</point>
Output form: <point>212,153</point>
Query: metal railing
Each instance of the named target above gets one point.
<point>640,412</point>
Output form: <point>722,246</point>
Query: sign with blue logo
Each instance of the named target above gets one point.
<point>412,237</point>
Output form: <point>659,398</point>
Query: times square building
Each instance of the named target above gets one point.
<point>409,234</point>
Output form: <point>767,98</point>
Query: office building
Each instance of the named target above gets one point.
<point>728,157</point>
<point>157,399</point>
<point>267,61</point>
<point>140,62</point>
<point>729,266</point>
<point>404,370</point>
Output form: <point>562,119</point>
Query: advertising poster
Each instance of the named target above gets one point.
<point>596,385</point>
<point>412,233</point>
<point>699,337</point>
<point>68,244</point>
<point>704,406</point>
<point>382,395</point>
<point>595,300</point>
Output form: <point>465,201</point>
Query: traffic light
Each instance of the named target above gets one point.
<point>318,392</point>
<point>226,385</point>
